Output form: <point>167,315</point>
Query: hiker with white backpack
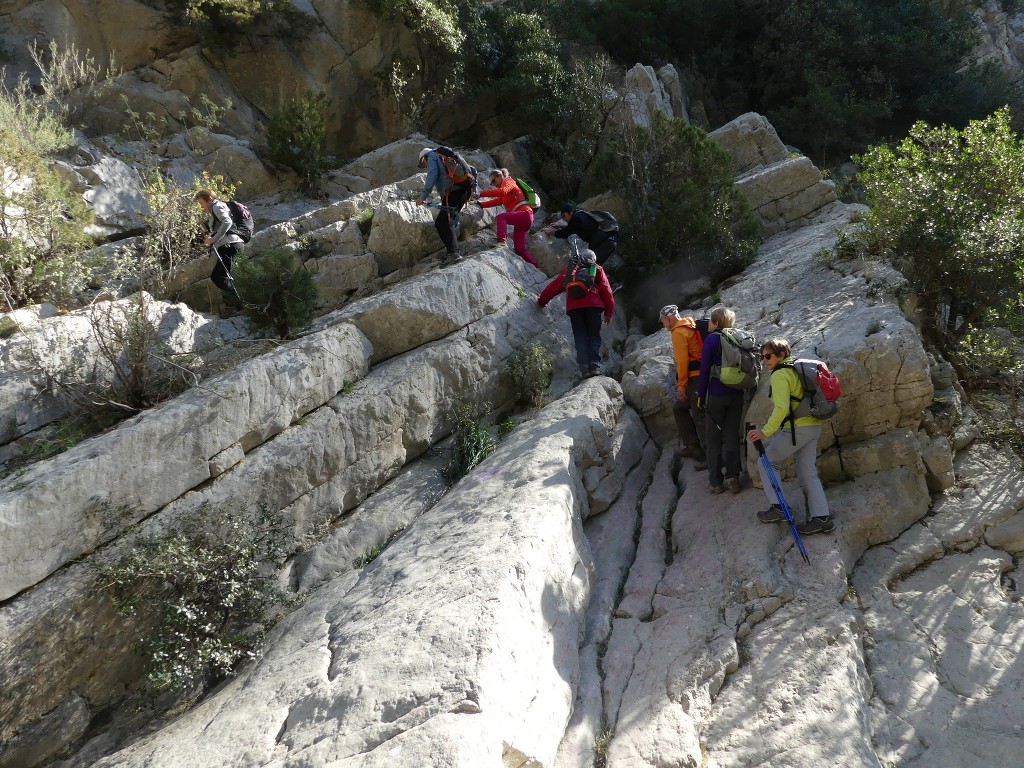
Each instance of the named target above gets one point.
<point>800,439</point>
<point>518,213</point>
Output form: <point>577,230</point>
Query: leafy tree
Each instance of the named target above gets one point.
<point>947,208</point>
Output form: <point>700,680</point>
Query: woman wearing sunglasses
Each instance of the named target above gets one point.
<point>799,440</point>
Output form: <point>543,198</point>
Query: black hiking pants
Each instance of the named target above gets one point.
<point>452,202</point>
<point>221,275</point>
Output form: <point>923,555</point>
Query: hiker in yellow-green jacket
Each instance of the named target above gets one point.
<point>791,437</point>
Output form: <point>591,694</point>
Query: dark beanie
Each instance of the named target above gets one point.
<point>568,208</point>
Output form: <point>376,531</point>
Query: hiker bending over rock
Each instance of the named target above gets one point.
<point>224,244</point>
<point>587,294</point>
<point>517,213</point>
<point>723,408</point>
<point>455,180</point>
<point>799,439</point>
<point>686,348</point>
<point>598,228</point>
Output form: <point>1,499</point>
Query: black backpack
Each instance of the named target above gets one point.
<point>241,221</point>
<point>606,222</point>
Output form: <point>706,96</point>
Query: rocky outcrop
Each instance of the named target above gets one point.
<point>486,672</point>
<point>783,191</point>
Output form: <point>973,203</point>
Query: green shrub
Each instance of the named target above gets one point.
<point>684,203</point>
<point>472,441</point>
<point>42,220</point>
<point>957,241</point>
<point>276,292</point>
<point>530,367</point>
<point>201,585</point>
<point>297,135</point>
<point>435,21</point>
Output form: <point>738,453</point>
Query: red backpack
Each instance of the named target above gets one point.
<point>821,390</point>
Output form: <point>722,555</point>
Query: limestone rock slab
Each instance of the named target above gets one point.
<point>57,512</point>
<point>488,662</point>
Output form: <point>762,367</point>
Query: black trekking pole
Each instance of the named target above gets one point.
<point>777,487</point>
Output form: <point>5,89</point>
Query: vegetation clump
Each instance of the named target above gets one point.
<point>472,441</point>
<point>530,367</point>
<point>205,587</point>
<point>277,292</point>
<point>956,240</point>
<point>297,136</point>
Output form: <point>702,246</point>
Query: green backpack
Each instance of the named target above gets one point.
<point>741,363</point>
<point>531,198</point>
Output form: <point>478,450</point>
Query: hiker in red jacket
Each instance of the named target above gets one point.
<point>584,306</point>
<point>517,213</point>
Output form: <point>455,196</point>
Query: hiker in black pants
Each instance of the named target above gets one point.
<point>455,189</point>
<point>224,243</point>
<point>588,226</point>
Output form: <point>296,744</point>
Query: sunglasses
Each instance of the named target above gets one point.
<point>768,355</point>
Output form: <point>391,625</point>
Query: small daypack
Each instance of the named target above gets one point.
<point>606,222</point>
<point>241,220</point>
<point>821,390</point>
<point>459,171</point>
<point>530,196</point>
<point>579,279</point>
<point>741,363</point>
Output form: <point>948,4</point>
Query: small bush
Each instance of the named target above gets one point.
<point>473,442</point>
<point>202,586</point>
<point>297,135</point>
<point>530,367</point>
<point>276,292</point>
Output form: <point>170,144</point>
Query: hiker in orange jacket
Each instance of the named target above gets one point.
<point>686,348</point>
<point>517,213</point>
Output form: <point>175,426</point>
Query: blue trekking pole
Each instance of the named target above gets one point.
<point>777,487</point>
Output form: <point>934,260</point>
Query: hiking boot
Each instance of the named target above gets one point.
<point>700,464</point>
<point>773,514</point>
<point>716,489</point>
<point>733,484</point>
<point>595,370</point>
<point>228,311</point>
<point>816,525</point>
<point>452,258</point>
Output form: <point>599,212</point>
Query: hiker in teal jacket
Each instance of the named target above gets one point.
<point>798,438</point>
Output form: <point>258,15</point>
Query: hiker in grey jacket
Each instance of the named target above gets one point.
<point>224,243</point>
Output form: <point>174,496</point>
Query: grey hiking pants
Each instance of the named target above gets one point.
<point>780,448</point>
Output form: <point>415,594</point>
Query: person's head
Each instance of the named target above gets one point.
<point>774,351</point>
<point>205,198</point>
<point>587,257</point>
<point>669,316</point>
<point>567,211</point>
<point>422,162</point>
<point>495,176</point>
<point>721,317</point>
<point>504,172</point>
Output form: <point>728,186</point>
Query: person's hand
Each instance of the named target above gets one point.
<point>540,307</point>
<point>547,230</point>
<point>208,241</point>
<point>755,435</point>
<point>420,201</point>
<point>607,319</point>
